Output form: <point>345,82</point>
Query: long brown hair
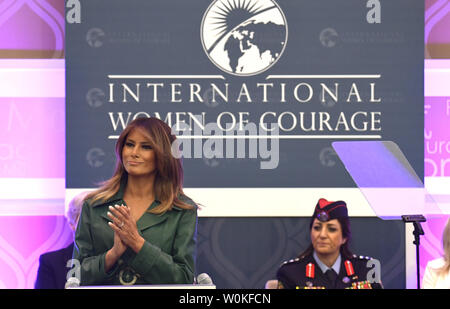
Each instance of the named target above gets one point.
<point>446,244</point>
<point>169,170</point>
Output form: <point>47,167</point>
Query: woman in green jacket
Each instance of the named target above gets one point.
<point>139,227</point>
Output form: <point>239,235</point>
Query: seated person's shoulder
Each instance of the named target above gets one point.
<point>361,260</point>
<point>362,266</point>
<point>436,264</point>
<point>293,265</point>
<point>291,272</point>
<point>48,256</point>
<point>57,254</point>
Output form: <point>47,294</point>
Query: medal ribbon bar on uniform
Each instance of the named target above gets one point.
<point>360,285</point>
<point>349,268</point>
<point>310,270</point>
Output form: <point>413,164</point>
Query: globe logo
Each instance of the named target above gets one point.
<point>244,37</point>
<point>328,37</point>
<point>95,97</point>
<point>94,37</point>
<point>94,157</point>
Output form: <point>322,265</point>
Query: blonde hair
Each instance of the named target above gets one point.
<point>446,245</point>
<point>169,171</point>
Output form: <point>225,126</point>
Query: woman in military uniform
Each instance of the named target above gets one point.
<point>139,227</point>
<point>328,262</point>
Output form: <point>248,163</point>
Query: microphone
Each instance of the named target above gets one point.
<point>72,282</point>
<point>204,279</point>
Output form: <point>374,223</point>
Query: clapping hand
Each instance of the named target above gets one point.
<point>125,227</point>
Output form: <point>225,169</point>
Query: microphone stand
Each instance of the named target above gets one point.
<point>418,231</point>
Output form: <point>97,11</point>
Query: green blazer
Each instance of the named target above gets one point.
<point>167,256</point>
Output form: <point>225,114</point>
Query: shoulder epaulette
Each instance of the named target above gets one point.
<point>291,261</point>
<point>360,257</point>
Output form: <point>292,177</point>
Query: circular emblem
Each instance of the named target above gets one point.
<point>323,216</point>
<point>94,157</point>
<point>95,97</point>
<point>327,157</point>
<point>127,276</point>
<point>244,37</point>
<point>329,37</point>
<point>95,37</point>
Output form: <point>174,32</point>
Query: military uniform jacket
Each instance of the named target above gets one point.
<point>293,274</point>
<point>167,256</point>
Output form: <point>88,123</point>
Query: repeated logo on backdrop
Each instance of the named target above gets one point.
<point>257,88</point>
